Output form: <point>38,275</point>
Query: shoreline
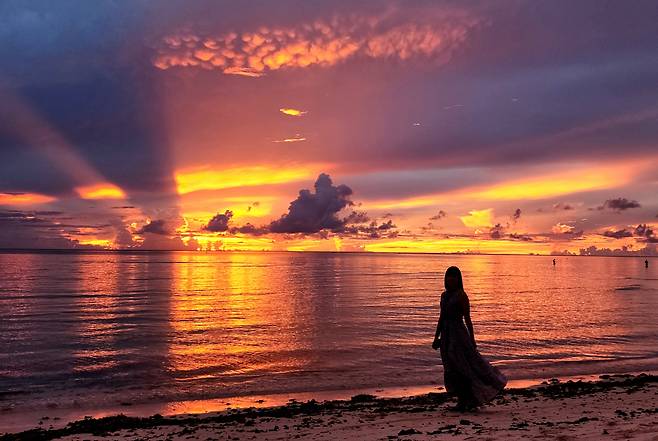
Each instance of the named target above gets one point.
<point>624,397</point>
<point>58,416</point>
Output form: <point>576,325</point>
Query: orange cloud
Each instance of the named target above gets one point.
<point>320,43</point>
<point>24,198</point>
<point>561,228</point>
<point>103,190</point>
<point>578,178</point>
<point>292,112</point>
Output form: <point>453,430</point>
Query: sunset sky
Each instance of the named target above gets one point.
<point>408,126</point>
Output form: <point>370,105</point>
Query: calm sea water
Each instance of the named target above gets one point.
<point>95,330</point>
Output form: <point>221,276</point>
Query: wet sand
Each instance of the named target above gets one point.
<point>613,407</point>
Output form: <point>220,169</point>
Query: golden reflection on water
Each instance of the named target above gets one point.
<point>233,312</point>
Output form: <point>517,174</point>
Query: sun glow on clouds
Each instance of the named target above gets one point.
<point>100,191</point>
<point>292,112</point>
<point>542,186</point>
<point>478,218</point>
<point>320,43</point>
<point>18,198</point>
<point>297,138</point>
<point>559,184</point>
<point>459,245</point>
<point>206,178</point>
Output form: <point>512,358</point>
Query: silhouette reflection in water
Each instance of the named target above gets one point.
<point>467,374</point>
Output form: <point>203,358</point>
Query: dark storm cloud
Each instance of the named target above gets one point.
<point>315,211</point>
<point>619,204</point>
<point>219,222</point>
<point>158,226</point>
<point>618,234</point>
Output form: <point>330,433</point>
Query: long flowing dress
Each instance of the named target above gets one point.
<point>467,374</point>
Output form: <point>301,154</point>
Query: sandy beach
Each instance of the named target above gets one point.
<point>613,407</point>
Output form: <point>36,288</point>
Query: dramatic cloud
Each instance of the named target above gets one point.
<point>158,226</point>
<point>318,43</point>
<point>619,204</point>
<point>312,212</point>
<point>219,222</point>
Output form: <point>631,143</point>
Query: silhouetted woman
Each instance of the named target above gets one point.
<point>466,373</point>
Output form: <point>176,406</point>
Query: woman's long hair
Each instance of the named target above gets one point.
<point>453,271</point>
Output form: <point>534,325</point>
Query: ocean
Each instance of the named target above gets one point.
<point>88,333</point>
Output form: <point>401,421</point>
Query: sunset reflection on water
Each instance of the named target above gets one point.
<point>171,327</point>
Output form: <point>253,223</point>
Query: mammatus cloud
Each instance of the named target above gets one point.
<point>619,204</point>
<point>324,42</point>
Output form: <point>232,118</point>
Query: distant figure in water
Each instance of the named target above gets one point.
<point>646,263</point>
<point>466,373</point>
<point>553,262</point>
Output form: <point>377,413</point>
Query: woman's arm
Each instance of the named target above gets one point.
<point>466,307</point>
<point>437,334</point>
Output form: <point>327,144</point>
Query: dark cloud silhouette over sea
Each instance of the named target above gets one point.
<point>315,211</point>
